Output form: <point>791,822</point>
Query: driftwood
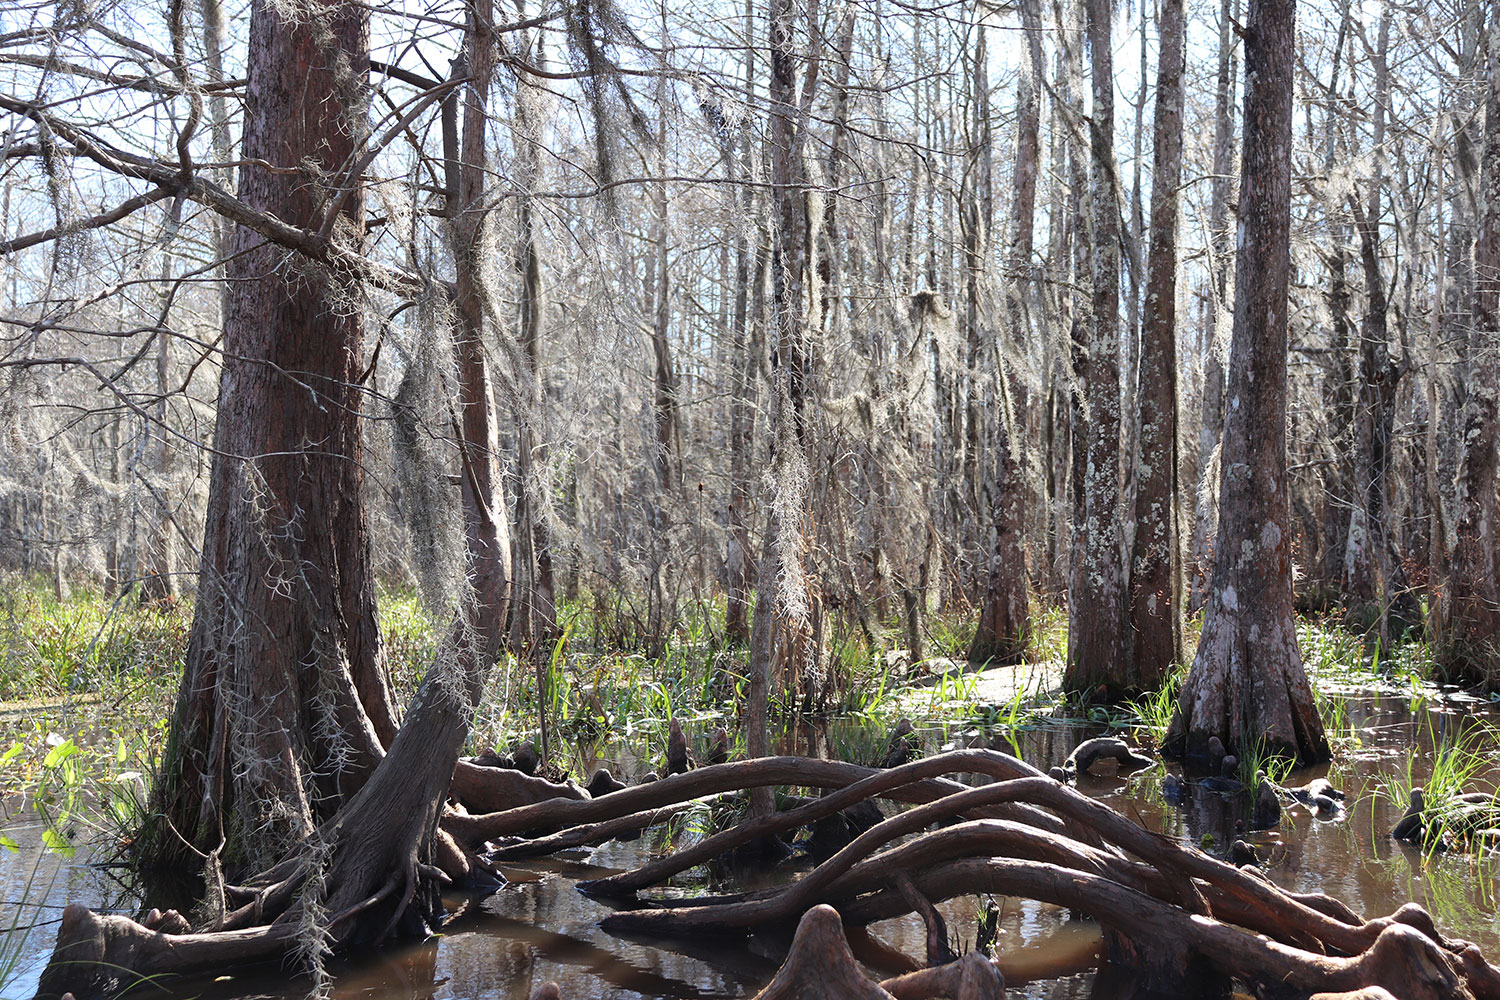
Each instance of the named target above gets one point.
<point>1159,902</point>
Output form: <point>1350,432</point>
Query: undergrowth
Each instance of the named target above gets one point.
<point>86,643</point>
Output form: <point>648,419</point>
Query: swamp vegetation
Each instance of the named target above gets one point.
<point>81,751</point>
<point>860,499</point>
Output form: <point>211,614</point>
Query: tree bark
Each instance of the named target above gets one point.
<point>1154,635</point>
<point>739,561</point>
<point>1211,431</point>
<point>1247,685</point>
<point>1470,645</point>
<point>284,703</point>
<point>1366,576</point>
<point>533,626</point>
<point>784,639</point>
<point>1096,599</point>
<point>1004,615</point>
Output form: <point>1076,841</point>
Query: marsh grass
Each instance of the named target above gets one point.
<point>1153,711</point>
<point>98,675</point>
<point>1256,761</point>
<point>1457,759</point>
<point>1333,709</point>
<point>86,643</point>
<point>951,633</point>
<point>1047,641</point>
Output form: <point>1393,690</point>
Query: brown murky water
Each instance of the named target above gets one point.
<point>539,928</point>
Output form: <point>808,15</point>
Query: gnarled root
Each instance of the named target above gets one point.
<point>97,954</point>
<point>1151,894</point>
<point>1023,835</point>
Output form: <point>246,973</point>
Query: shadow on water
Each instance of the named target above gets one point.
<point>538,928</point>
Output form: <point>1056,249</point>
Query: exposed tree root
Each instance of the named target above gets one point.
<point>819,966</point>
<point>746,774</point>
<point>1159,902</point>
<point>905,783</point>
<point>94,953</point>
<point>1152,895</point>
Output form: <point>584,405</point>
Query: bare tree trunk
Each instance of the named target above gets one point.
<point>1154,634</point>
<point>1096,601</point>
<point>784,638</point>
<point>533,625</point>
<point>1247,685</point>
<point>1337,485</point>
<point>1211,431</point>
<point>284,703</point>
<point>1437,535</point>
<point>1470,646</point>
<point>1070,37</point>
<point>1004,615</point>
<point>739,562</point>
<point>1366,563</point>
<point>664,448</point>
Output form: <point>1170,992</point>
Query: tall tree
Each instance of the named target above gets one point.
<point>1247,685</point>
<point>1096,599</point>
<point>262,747</point>
<point>1154,637</point>
<point>1004,614</point>
<point>785,636</point>
<point>1367,555</point>
<point>1470,646</point>
<point>739,559</point>
<point>370,857</point>
<point>1212,425</point>
<point>533,625</point>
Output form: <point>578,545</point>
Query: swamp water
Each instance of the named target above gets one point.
<point>539,928</point>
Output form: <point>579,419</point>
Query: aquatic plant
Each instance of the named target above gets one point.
<point>1456,760</point>
<point>1333,709</point>
<point>1257,760</point>
<point>1153,711</point>
<point>1047,640</point>
<point>87,642</point>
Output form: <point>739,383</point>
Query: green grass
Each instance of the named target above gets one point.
<point>98,675</point>
<point>1456,760</point>
<point>1257,761</point>
<point>1047,642</point>
<point>951,633</point>
<point>1153,711</point>
<point>85,644</point>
